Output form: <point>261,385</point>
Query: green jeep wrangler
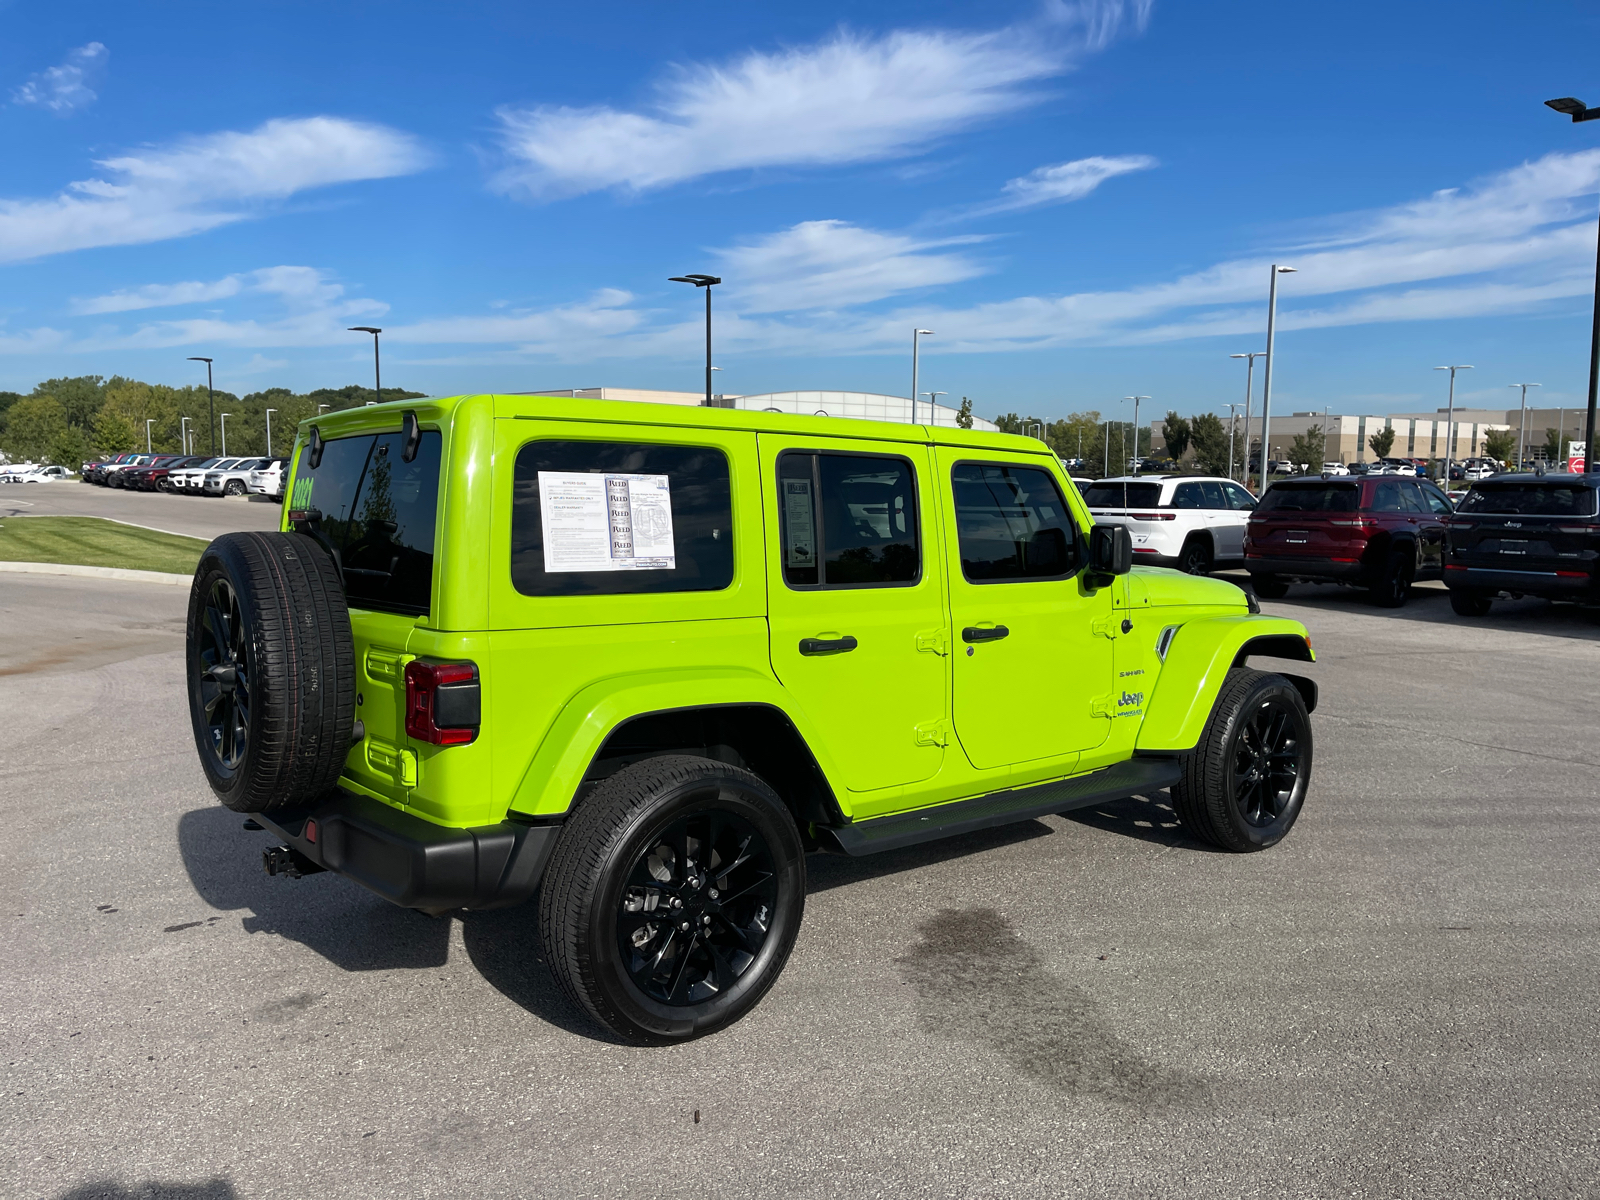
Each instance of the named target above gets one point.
<point>642,659</point>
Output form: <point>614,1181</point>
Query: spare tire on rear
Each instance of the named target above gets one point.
<point>271,667</point>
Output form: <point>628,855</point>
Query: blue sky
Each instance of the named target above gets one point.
<point>1082,200</point>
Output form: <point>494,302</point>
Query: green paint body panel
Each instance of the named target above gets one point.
<point>908,721</point>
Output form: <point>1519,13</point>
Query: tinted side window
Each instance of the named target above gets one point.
<point>620,518</point>
<point>1437,502</point>
<point>376,515</point>
<point>1239,499</point>
<point>847,520</point>
<point>1012,523</point>
<point>1188,495</point>
<point>1386,497</point>
<point>1214,497</point>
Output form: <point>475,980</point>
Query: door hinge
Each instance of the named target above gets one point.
<point>1102,706</point>
<point>934,641</point>
<point>932,733</point>
<point>1105,627</point>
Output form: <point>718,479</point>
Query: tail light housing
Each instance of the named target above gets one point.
<point>444,702</point>
<point>1157,516</point>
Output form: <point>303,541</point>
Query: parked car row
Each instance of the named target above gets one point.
<point>194,474</point>
<point>33,473</point>
<point>1516,535</point>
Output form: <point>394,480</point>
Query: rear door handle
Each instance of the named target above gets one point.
<point>973,634</point>
<point>814,646</point>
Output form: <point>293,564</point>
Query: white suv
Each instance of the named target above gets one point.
<point>1193,524</point>
<point>268,480</point>
<point>234,480</point>
<point>193,479</point>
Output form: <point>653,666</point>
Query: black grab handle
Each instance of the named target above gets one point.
<point>973,634</point>
<point>827,645</point>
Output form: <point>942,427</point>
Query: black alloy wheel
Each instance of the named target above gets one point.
<point>1195,557</point>
<point>1244,784</point>
<point>1266,763</point>
<point>673,897</point>
<point>1394,587</point>
<point>697,908</point>
<point>224,672</point>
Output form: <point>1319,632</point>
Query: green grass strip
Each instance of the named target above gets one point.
<point>92,542</point>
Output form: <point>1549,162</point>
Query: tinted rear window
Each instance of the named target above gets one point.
<point>1310,497</point>
<point>620,518</point>
<point>1530,500</point>
<point>376,514</point>
<point>1122,495</point>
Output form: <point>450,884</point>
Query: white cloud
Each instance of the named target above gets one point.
<point>1062,182</point>
<point>199,183</point>
<point>159,295</point>
<point>849,99</point>
<point>65,89</point>
<point>833,264</point>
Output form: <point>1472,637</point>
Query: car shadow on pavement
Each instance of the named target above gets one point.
<point>1431,605</point>
<point>503,944</point>
<point>1143,818</point>
<point>347,925</point>
<point>154,1189</point>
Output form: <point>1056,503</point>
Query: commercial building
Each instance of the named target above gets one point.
<point>865,406</point>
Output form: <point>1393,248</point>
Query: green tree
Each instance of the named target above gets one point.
<point>1011,423</point>
<point>1381,442</point>
<point>32,427</point>
<point>964,415</point>
<point>71,447</point>
<point>80,396</point>
<point>1307,448</point>
<point>1176,431</point>
<point>1075,436</point>
<point>1208,438</point>
<point>1500,444</point>
<point>354,396</point>
<point>7,399</point>
<point>1555,446</point>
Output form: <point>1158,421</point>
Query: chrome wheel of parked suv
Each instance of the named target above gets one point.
<point>673,897</point>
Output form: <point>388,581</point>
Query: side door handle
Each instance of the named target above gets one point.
<point>973,634</point>
<point>839,645</point>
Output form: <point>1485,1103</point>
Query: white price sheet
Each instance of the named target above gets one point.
<point>595,522</point>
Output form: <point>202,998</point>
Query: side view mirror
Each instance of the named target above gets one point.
<point>1110,550</point>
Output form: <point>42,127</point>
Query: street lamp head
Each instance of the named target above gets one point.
<point>716,368</point>
<point>1287,270</point>
<point>193,358</point>
<point>697,280</point>
<point>1569,105</point>
<point>929,332</point>
<point>365,329</point>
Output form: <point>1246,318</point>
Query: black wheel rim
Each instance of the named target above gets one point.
<point>697,908</point>
<point>224,675</point>
<point>1194,561</point>
<point>1266,763</point>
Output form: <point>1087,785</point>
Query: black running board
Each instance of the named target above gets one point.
<point>1138,776</point>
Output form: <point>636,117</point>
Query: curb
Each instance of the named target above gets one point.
<point>33,568</point>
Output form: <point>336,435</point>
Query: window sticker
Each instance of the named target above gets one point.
<point>800,548</point>
<point>595,522</point>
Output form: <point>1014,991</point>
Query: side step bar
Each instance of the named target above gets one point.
<point>1138,776</point>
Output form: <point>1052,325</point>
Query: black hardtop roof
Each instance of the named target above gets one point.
<point>1552,479</point>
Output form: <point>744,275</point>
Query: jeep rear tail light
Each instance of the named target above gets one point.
<point>1146,516</point>
<point>444,702</point>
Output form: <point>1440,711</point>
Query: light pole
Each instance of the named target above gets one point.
<point>1105,469</point>
<point>1450,424</point>
<point>1522,423</point>
<point>1249,379</point>
<point>377,376</point>
<point>211,398</point>
<point>933,412</point>
<point>1579,111</point>
<point>147,425</point>
<point>1266,375</point>
<point>225,417</point>
<point>270,411</point>
<point>321,407</point>
<point>1136,400</point>
<point>915,334</point>
<point>1233,423</point>
<point>183,433</point>
<point>707,282</point>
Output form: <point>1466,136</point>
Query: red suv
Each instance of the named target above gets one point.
<point>1382,534</point>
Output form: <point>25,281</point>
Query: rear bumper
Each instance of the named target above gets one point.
<point>1287,567</point>
<point>415,863</point>
<point>1529,583</point>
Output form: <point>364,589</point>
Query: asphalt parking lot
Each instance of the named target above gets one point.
<point>193,516</point>
<point>1397,1001</point>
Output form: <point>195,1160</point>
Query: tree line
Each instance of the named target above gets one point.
<point>71,420</point>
